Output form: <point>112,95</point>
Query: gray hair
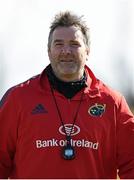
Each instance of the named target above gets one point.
<point>67,19</point>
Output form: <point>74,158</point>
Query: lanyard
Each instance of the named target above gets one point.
<point>68,151</point>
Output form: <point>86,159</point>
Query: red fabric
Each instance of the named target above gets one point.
<point>31,137</point>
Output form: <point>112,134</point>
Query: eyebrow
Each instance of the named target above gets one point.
<point>73,41</point>
<point>58,40</point>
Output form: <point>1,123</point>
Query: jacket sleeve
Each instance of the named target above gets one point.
<point>125,141</point>
<point>8,134</point>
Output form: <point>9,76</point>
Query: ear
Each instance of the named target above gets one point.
<point>88,51</point>
<point>49,53</point>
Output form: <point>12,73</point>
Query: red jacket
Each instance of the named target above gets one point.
<point>32,136</point>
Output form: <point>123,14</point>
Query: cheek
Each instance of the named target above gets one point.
<point>55,53</point>
<point>82,56</point>
<point>85,54</point>
<point>52,55</point>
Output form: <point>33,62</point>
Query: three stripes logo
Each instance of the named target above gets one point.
<point>39,109</point>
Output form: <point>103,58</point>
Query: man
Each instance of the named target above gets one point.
<point>65,123</point>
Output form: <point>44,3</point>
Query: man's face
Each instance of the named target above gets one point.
<point>68,53</point>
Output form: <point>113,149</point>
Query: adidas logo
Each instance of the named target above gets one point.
<point>39,109</point>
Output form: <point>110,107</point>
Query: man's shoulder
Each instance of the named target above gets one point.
<point>22,88</point>
<point>110,92</point>
<point>29,83</point>
<point>104,89</point>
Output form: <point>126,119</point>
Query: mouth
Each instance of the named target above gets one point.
<point>66,60</point>
<point>67,63</point>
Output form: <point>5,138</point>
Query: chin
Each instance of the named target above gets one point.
<point>68,73</point>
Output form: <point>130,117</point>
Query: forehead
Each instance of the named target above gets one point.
<point>67,33</point>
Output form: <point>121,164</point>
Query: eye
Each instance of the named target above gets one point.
<point>75,44</point>
<point>58,44</point>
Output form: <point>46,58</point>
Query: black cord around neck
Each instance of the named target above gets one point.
<point>59,113</point>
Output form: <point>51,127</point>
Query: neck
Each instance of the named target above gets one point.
<point>70,77</point>
<point>67,88</point>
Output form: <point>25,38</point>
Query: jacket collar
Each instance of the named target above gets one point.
<point>92,89</point>
<point>93,84</point>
